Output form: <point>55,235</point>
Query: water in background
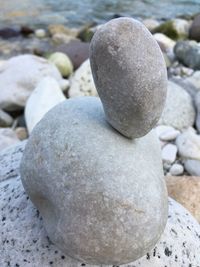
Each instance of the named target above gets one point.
<point>80,12</point>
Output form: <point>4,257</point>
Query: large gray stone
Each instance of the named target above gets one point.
<point>90,184</point>
<point>130,75</point>
<point>24,241</point>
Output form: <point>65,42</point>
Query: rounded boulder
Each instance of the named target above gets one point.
<point>102,196</point>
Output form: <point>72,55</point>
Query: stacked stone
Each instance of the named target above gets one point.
<point>97,177</point>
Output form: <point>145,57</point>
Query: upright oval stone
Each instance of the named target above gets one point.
<point>130,76</point>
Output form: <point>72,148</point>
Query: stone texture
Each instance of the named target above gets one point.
<point>24,241</point>
<point>194,29</point>
<point>5,119</point>
<point>19,76</point>
<point>188,53</point>
<point>130,76</point>
<point>179,111</point>
<point>192,166</point>
<point>10,160</point>
<point>185,190</point>
<point>81,83</point>
<point>188,144</point>
<point>62,62</point>
<point>169,153</point>
<point>45,96</point>
<point>97,210</point>
<point>7,138</point>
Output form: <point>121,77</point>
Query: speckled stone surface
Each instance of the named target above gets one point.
<point>90,184</point>
<point>24,241</point>
<point>10,159</point>
<point>130,75</point>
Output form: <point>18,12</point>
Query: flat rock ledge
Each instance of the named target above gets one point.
<point>24,242</point>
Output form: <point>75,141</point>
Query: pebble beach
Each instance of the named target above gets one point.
<point>44,65</point>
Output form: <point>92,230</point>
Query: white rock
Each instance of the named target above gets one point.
<point>179,111</point>
<point>160,129</point>
<point>19,76</point>
<point>164,41</point>
<point>169,135</point>
<point>169,153</point>
<point>40,33</point>
<point>45,96</point>
<point>7,138</point>
<point>188,144</point>
<point>192,166</point>
<point>166,133</point>
<point>195,80</point>
<point>176,169</point>
<point>82,83</point>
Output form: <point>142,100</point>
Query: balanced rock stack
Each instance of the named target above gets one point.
<point>100,191</point>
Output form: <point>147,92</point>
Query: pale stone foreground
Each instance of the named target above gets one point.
<point>24,242</point>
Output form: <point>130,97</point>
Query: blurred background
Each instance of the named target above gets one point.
<point>79,12</point>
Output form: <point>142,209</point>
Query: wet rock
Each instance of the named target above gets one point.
<point>188,144</point>
<point>185,190</point>
<point>81,82</point>
<point>45,96</point>
<point>122,75</point>
<point>88,210</point>
<point>19,76</point>
<point>62,62</point>
<point>7,33</point>
<point>194,29</point>
<point>61,29</point>
<point>188,53</point>
<point>5,119</point>
<point>86,34</point>
<point>179,111</point>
